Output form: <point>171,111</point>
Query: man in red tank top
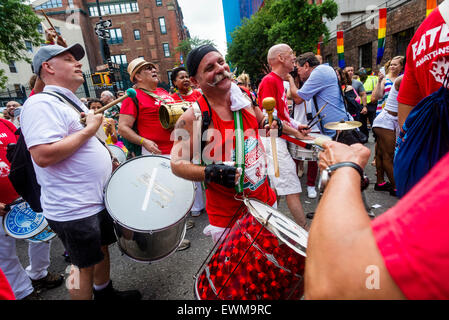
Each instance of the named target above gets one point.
<point>209,71</point>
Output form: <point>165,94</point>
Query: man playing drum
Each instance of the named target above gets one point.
<point>72,167</point>
<point>221,100</point>
<point>282,61</point>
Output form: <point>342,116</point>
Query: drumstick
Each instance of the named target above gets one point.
<point>269,104</point>
<point>317,114</point>
<point>315,123</point>
<point>48,20</point>
<point>129,93</point>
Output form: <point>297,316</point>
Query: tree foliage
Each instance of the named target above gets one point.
<point>294,22</point>
<point>189,44</point>
<point>18,23</point>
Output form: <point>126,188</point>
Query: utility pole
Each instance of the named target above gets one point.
<point>104,35</point>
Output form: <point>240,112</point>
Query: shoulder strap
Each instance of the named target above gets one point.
<point>197,133</point>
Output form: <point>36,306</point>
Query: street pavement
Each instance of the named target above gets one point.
<point>173,277</point>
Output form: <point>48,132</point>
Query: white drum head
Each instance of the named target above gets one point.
<point>118,153</point>
<point>144,195</point>
<point>281,226</point>
<point>317,135</point>
<point>21,222</point>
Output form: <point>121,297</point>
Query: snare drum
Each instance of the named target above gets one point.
<point>262,257</point>
<point>300,153</point>
<point>118,153</point>
<point>21,222</point>
<point>149,206</point>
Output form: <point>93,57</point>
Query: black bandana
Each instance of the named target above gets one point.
<point>195,56</point>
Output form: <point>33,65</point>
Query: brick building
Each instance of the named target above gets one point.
<point>151,29</point>
<point>361,32</point>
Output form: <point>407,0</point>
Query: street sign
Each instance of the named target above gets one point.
<point>103,24</point>
<point>103,33</point>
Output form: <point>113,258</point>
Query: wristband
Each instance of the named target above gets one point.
<point>141,141</point>
<point>328,172</point>
<point>280,125</point>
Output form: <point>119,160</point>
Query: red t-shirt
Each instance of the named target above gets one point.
<point>220,202</point>
<point>195,95</point>
<point>413,237</point>
<point>273,86</point>
<point>7,136</point>
<point>148,123</point>
<point>427,60</point>
<point>6,292</point>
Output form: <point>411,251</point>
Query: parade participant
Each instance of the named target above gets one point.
<point>153,138</point>
<point>114,111</point>
<point>108,123</point>
<point>321,84</point>
<point>221,97</point>
<point>369,83</point>
<point>10,107</point>
<point>359,88</point>
<point>25,283</point>
<point>181,81</point>
<point>427,61</point>
<point>400,254</point>
<point>300,112</point>
<point>72,167</point>
<point>282,61</point>
<point>6,292</point>
<point>386,80</point>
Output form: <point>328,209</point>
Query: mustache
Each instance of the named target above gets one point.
<point>221,76</point>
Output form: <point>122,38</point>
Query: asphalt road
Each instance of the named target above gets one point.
<point>172,278</point>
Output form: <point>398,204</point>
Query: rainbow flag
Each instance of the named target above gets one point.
<point>382,34</point>
<point>341,49</point>
<point>431,4</point>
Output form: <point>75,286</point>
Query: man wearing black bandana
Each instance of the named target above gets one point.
<point>221,101</point>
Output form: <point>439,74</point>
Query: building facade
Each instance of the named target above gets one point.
<point>359,21</point>
<point>151,29</point>
<point>235,10</point>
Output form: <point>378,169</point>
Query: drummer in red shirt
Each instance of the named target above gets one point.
<point>220,100</point>
<point>181,81</point>
<point>153,138</point>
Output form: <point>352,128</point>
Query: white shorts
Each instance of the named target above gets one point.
<point>386,121</point>
<point>288,181</point>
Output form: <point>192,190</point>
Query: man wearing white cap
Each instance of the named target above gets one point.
<point>72,167</point>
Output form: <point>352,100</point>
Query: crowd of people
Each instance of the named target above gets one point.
<point>407,244</point>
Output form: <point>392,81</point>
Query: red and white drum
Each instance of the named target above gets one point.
<point>262,257</point>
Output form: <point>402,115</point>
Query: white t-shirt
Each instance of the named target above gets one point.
<point>73,188</point>
<point>300,114</point>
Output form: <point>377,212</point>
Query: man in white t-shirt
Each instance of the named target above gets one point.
<point>72,167</point>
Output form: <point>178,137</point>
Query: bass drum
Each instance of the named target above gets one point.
<point>149,206</point>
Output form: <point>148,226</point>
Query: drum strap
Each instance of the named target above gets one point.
<point>300,143</point>
<point>239,148</point>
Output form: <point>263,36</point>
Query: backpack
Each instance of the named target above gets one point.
<point>353,106</point>
<point>423,140</point>
<point>22,175</point>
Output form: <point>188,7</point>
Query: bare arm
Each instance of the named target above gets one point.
<point>125,125</point>
<point>379,90</point>
<point>52,153</point>
<point>293,92</point>
<point>182,151</point>
<point>403,112</point>
<point>340,251</point>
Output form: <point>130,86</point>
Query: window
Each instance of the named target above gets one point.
<point>119,59</point>
<point>366,55</point>
<point>71,6</point>
<point>40,29</point>
<point>166,49</point>
<point>116,36</point>
<point>402,39</point>
<point>162,25</point>
<point>136,34</point>
<point>159,3</point>
<point>12,67</point>
<point>50,4</point>
<point>108,9</point>
<point>29,46</point>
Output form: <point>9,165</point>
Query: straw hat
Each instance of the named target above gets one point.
<point>135,65</point>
